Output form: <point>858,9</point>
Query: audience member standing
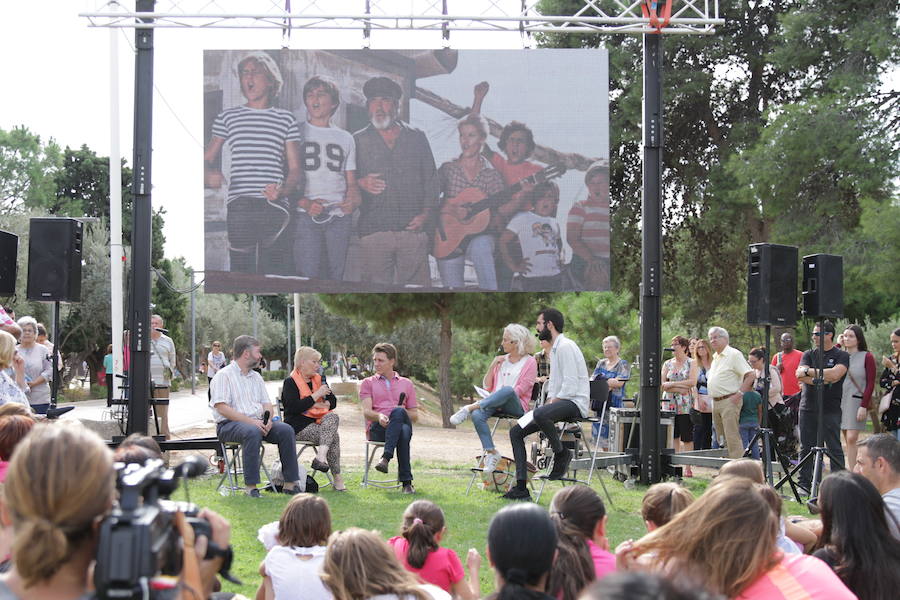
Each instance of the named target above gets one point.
<point>857,544</point>
<point>701,362</point>
<point>8,324</point>
<point>617,371</point>
<point>162,369</point>
<point>878,460</point>
<point>677,386</point>
<point>890,382</point>
<point>12,372</point>
<point>729,376</point>
<point>787,362</point>
<point>215,361</point>
<point>38,368</point>
<point>856,393</point>
<point>834,363</point>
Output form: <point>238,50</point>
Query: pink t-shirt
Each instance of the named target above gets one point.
<point>442,567</point>
<point>800,577</point>
<point>386,395</point>
<point>604,560</point>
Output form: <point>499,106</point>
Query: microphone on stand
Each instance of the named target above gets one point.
<point>402,398</point>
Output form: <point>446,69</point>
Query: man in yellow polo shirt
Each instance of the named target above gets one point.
<point>728,378</point>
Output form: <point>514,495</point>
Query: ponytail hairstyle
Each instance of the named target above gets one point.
<point>60,481</point>
<point>663,501</point>
<point>522,544</point>
<point>422,520</point>
<point>575,511</point>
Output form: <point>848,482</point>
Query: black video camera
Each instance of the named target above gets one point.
<point>139,540</point>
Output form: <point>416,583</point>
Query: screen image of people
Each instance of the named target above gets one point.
<point>406,171</point>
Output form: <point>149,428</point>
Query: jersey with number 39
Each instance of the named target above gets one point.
<point>326,152</point>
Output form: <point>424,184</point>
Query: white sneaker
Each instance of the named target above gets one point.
<point>459,416</point>
<point>490,461</point>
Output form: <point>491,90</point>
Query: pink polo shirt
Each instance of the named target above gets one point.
<point>385,394</point>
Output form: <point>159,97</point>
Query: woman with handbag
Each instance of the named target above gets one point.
<point>889,408</point>
<point>309,408</point>
<point>701,411</point>
<point>857,391</point>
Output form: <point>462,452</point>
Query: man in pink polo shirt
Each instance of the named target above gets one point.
<point>390,408</point>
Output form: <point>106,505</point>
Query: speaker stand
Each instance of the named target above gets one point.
<point>765,434</point>
<point>54,386</point>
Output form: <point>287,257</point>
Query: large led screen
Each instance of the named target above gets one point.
<point>406,170</point>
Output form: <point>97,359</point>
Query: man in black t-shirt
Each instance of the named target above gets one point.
<point>835,365</point>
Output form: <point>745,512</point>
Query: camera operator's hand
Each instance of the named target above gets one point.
<point>221,537</point>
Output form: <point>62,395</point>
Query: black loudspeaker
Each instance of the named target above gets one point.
<point>772,285</point>
<point>9,254</point>
<point>54,260</point>
<point>823,285</point>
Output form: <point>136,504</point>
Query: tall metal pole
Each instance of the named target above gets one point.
<point>297,342</point>
<point>193,338</point>
<point>116,251</point>
<point>142,234</point>
<point>255,317</point>
<point>290,357</point>
<point>651,245</point>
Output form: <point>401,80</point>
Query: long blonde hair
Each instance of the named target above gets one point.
<point>59,481</point>
<point>359,565</point>
<point>725,538</point>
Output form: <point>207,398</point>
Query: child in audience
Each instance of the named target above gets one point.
<point>521,547</point>
<point>419,551</point>
<point>662,502</point>
<point>792,538</point>
<point>748,421</point>
<point>296,543</point>
<point>582,552</point>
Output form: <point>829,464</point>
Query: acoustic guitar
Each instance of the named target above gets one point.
<point>469,212</point>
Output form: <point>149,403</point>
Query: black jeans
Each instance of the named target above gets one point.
<point>831,423</point>
<point>396,437</point>
<point>259,237</point>
<point>545,419</point>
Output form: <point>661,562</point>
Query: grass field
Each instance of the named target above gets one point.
<point>467,516</point>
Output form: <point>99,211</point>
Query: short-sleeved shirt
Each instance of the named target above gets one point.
<point>831,392</point>
<point>604,560</point>
<point>727,372</point>
<point>620,370</point>
<point>244,393</point>
<point>327,153</point>
<point>214,363</point>
<point>294,578</point>
<point>593,217</point>
<point>108,363</point>
<point>750,408</point>
<point>442,567</point>
<point>257,138</point>
<point>798,576</point>
<point>4,318</point>
<point>540,241</point>
<point>385,394</point>
<point>789,364</point>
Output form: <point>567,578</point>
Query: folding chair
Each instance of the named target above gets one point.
<point>371,449</point>
<point>315,448</point>
<point>234,467</point>
<point>479,468</point>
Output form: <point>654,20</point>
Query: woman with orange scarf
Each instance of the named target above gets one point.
<point>309,408</point>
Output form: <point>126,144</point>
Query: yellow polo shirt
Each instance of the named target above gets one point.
<point>727,372</point>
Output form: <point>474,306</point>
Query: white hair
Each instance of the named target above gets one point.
<point>614,340</point>
<point>26,320</point>
<point>719,331</point>
<point>521,337</point>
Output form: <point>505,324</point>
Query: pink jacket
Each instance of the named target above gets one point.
<point>524,383</point>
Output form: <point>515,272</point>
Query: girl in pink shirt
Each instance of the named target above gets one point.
<point>418,549</point>
<point>582,548</point>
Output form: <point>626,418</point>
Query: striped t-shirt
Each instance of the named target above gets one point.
<point>594,221</point>
<point>257,137</point>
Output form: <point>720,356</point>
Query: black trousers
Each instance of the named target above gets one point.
<point>545,419</point>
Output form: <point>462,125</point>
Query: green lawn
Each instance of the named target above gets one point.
<point>467,517</point>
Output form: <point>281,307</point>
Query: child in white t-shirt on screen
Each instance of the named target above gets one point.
<point>296,547</point>
<point>537,232</point>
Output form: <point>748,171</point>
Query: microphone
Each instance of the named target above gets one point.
<point>266,416</point>
<point>161,330</point>
<point>402,398</point>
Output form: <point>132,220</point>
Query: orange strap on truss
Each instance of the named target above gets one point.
<point>658,20</point>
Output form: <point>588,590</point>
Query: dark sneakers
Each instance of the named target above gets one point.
<point>254,493</point>
<point>561,462</point>
<point>382,466</point>
<point>516,493</point>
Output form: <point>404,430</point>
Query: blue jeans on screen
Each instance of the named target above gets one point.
<point>480,251</point>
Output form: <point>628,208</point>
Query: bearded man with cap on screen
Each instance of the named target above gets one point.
<point>265,167</point>
<point>396,172</point>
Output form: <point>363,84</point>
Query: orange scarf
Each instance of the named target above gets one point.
<point>317,411</point>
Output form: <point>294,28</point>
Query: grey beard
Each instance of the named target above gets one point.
<point>382,124</point>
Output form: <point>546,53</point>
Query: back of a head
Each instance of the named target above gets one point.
<point>14,408</point>
<point>359,565</point>
<point>7,349</point>
<point>854,522</point>
<point>305,522</point>
<point>744,467</point>
<point>663,501</point>
<point>638,585</point>
<point>575,510</point>
<point>137,448</point>
<point>60,480</point>
<point>522,542</point>
<point>13,429</point>
<point>725,538</point>
<point>421,521</point>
